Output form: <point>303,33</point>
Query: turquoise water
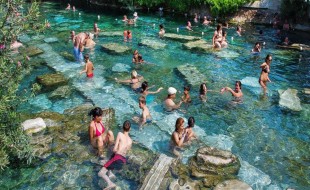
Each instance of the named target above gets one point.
<point>271,141</point>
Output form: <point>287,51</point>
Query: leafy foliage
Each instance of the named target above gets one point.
<point>16,17</point>
<point>295,9</point>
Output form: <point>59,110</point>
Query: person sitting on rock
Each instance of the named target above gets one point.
<point>122,146</point>
<point>98,135</point>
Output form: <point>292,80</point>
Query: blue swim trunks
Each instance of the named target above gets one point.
<point>77,54</point>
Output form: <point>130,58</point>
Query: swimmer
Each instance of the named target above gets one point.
<point>286,41</point>
<point>237,93</point>
<point>203,92</point>
<point>135,16</point>
<point>169,103</point>
<point>189,26</point>
<point>196,18</point>
<point>217,37</point>
<point>145,89</point>
<point>190,135</point>
<point>127,35</point>
<point>238,30</point>
<point>178,137</point>
<point>96,28</point>
<point>256,48</point>
<point>68,7</point>
<point>264,76</point>
<point>206,21</point>
<point>135,81</point>
<point>125,19</point>
<point>224,41</point>
<point>161,30</point>
<point>122,146</point>
<point>97,134</point>
<point>73,8</point>
<point>89,67</point>
<point>186,98</point>
<point>145,116</point>
<point>137,58</point>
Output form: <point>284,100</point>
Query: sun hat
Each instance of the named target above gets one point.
<point>171,90</point>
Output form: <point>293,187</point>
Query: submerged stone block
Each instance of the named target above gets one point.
<point>181,37</point>
<point>289,99</point>
<point>61,92</point>
<point>191,74</point>
<point>33,125</point>
<point>200,45</point>
<point>51,40</point>
<point>68,56</point>
<point>115,48</point>
<point>152,43</point>
<point>232,184</point>
<point>31,51</point>
<point>115,33</point>
<point>120,67</point>
<point>51,81</point>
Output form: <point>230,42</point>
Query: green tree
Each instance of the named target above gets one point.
<point>16,17</point>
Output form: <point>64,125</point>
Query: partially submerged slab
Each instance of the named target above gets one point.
<point>226,54</point>
<point>299,47</point>
<point>191,74</point>
<point>181,37</point>
<point>51,81</point>
<point>50,40</point>
<point>115,48</point>
<point>31,51</point>
<point>152,43</point>
<point>115,33</point>
<point>289,99</point>
<point>200,45</point>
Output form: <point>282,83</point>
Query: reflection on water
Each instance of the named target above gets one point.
<point>266,137</point>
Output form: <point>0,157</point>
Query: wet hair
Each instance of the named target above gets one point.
<point>139,57</point>
<point>201,91</point>
<point>86,57</point>
<point>95,112</point>
<point>141,98</point>
<point>187,88</point>
<point>143,101</point>
<point>144,86</point>
<point>239,83</point>
<point>267,57</point>
<point>161,26</point>
<point>179,123</point>
<point>126,126</point>
<point>219,27</point>
<point>191,122</point>
<point>256,43</point>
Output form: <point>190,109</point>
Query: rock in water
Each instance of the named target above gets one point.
<point>120,67</point>
<point>33,125</point>
<point>250,81</point>
<point>115,48</point>
<point>51,40</point>
<point>232,184</point>
<point>289,99</point>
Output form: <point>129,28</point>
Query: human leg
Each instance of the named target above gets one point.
<point>103,174</point>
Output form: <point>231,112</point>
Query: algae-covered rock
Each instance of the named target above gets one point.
<point>289,99</point>
<point>33,125</point>
<point>152,43</point>
<point>31,51</point>
<point>188,185</point>
<point>232,184</point>
<point>115,48</point>
<point>51,81</point>
<point>181,37</point>
<point>191,74</point>
<point>61,92</point>
<point>41,145</point>
<point>115,33</point>
<point>68,56</point>
<point>200,45</point>
<point>50,40</point>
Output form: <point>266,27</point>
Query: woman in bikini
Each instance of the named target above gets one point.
<point>135,81</point>
<point>264,78</point>
<point>97,134</point>
<point>217,37</point>
<point>178,137</point>
<point>145,89</point>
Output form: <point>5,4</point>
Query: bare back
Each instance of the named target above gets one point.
<point>123,143</point>
<point>89,67</point>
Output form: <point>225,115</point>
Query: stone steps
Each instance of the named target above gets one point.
<point>157,173</point>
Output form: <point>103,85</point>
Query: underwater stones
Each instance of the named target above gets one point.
<point>24,38</point>
<point>297,47</point>
<point>41,145</point>
<point>68,137</point>
<point>219,163</point>
<point>250,81</point>
<point>200,45</point>
<point>120,67</point>
<point>52,123</point>
<point>51,81</point>
<point>61,92</point>
<point>225,53</point>
<point>152,43</point>
<point>115,48</point>
<point>116,33</point>
<point>82,109</point>
<point>181,37</point>
<point>31,51</point>
<point>50,40</point>
<point>33,125</point>
<point>191,74</point>
<point>68,56</point>
<point>289,99</point>
<point>232,184</point>
<point>175,185</point>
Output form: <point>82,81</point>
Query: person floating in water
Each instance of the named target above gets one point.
<point>169,103</point>
<point>89,67</point>
<point>98,135</point>
<point>264,76</point>
<point>237,93</point>
<point>161,30</point>
<point>145,89</point>
<point>123,144</point>
<point>145,116</point>
<point>135,81</point>
<point>256,48</point>
<point>127,35</point>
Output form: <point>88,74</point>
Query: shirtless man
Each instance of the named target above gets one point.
<point>122,145</point>
<point>237,93</point>
<point>146,116</point>
<point>169,103</point>
<point>89,67</point>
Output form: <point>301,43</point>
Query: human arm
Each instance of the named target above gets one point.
<point>179,142</point>
<point>155,92</point>
<point>115,149</point>
<point>229,90</point>
<point>90,132</point>
<point>85,70</point>
<point>263,65</point>
<point>123,81</point>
